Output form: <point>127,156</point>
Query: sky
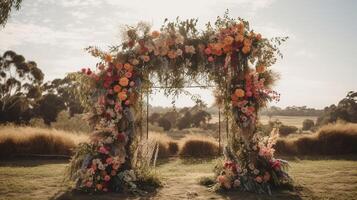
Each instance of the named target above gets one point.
<point>320,58</point>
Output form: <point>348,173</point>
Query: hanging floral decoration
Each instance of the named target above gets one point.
<point>228,54</point>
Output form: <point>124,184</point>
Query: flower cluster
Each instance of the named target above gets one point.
<point>250,96</point>
<point>260,173</point>
<point>103,162</point>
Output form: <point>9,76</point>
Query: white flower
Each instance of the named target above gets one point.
<point>190,49</point>
<point>256,171</point>
<point>179,39</point>
<point>179,52</point>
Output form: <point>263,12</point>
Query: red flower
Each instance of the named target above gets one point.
<point>276,165</point>
<point>121,137</point>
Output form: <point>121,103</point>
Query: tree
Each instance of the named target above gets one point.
<point>154,118</point>
<point>345,110</point>
<point>20,87</point>
<point>200,117</point>
<point>48,108</point>
<point>307,124</point>
<point>5,9</point>
<point>164,123</point>
<point>185,121</point>
<point>65,90</point>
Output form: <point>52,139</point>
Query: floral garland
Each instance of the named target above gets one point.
<point>230,54</point>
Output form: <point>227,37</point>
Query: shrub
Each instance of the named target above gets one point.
<point>332,139</point>
<point>199,147</point>
<point>173,148</point>
<point>285,130</point>
<point>307,124</point>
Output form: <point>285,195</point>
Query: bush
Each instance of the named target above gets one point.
<point>285,130</point>
<point>307,124</point>
<point>28,140</point>
<point>173,148</point>
<point>332,139</point>
<point>199,148</point>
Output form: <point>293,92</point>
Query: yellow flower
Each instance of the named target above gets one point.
<point>239,93</point>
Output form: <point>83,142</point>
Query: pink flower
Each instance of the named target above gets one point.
<point>109,160</point>
<point>103,150</point>
<point>276,165</point>
<point>208,51</point>
<point>89,184</point>
<point>258,179</point>
<point>210,59</point>
<point>132,83</point>
<point>106,178</point>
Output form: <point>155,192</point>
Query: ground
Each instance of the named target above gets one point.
<point>315,179</point>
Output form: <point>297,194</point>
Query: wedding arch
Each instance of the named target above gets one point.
<point>228,54</point>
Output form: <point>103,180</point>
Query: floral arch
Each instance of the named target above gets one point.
<point>228,54</point>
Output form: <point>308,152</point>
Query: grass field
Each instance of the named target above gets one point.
<point>315,179</point>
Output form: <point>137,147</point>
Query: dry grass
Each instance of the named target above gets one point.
<point>166,144</point>
<point>198,146</point>
<point>332,139</point>
<point>30,140</point>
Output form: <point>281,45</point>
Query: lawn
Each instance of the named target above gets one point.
<point>315,179</point>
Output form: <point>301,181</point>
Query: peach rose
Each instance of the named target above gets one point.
<point>155,34</point>
<point>171,54</point>
<point>122,96</point>
<point>128,74</point>
<point>119,66</point>
<point>99,187</point>
<point>246,49</point>
<point>124,81</point>
<point>128,67</point>
<point>239,93</point>
<point>117,88</point>
<point>260,69</point>
<point>228,40</point>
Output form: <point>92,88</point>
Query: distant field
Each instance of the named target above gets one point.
<point>316,179</point>
<point>286,120</point>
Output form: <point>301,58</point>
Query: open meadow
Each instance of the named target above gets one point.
<point>314,179</point>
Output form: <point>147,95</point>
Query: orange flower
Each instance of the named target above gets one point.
<point>155,34</point>
<point>260,69</point>
<point>228,40</point>
<point>247,42</point>
<point>128,67</point>
<point>239,38</point>
<point>117,88</point>
<point>227,48</point>
<point>119,66</point>
<point>122,96</point>
<point>99,186</point>
<point>108,58</point>
<point>246,49</point>
<point>171,54</point>
<point>239,93</point>
<point>124,81</point>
